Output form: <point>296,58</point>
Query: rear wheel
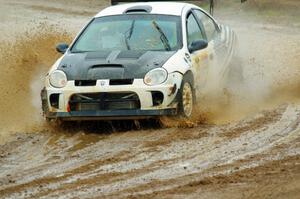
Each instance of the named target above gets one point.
<point>186,99</point>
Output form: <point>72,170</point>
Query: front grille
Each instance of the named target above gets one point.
<point>85,82</point>
<point>104,101</point>
<point>120,81</point>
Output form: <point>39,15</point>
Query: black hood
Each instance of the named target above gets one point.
<point>112,64</point>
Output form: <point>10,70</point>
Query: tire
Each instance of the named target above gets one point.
<point>186,98</point>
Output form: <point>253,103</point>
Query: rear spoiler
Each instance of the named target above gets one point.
<point>211,2</point>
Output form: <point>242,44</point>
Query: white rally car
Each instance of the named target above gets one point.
<point>137,60</point>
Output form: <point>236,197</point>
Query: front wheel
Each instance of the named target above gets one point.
<point>186,99</point>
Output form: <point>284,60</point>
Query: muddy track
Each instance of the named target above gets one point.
<point>140,163</point>
<point>245,143</point>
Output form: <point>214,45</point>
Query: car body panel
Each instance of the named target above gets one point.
<point>138,86</point>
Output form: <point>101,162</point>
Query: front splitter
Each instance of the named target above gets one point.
<point>110,114</point>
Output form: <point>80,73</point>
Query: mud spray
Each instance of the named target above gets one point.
<point>24,63</point>
<point>263,75</point>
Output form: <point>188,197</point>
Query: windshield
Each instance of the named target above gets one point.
<point>131,32</point>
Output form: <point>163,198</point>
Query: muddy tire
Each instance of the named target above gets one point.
<point>61,124</point>
<point>186,98</point>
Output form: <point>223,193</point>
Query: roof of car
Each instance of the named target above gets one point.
<point>166,8</point>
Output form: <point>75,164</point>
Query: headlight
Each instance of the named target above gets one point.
<point>58,79</point>
<point>156,76</point>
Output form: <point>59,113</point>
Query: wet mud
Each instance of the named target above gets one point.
<point>243,142</point>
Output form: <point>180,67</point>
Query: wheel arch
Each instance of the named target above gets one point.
<point>189,76</point>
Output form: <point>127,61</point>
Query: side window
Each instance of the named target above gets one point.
<point>208,24</point>
<point>193,30</point>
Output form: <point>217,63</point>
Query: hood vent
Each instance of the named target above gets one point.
<point>138,9</point>
<point>108,66</point>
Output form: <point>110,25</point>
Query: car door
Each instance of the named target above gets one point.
<point>199,58</point>
<point>218,52</point>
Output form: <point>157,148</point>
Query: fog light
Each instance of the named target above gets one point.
<point>157,98</point>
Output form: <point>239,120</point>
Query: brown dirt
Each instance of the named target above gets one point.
<point>243,143</point>
<point>23,62</point>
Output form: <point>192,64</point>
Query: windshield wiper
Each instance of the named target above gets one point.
<point>129,31</point>
<point>162,37</point>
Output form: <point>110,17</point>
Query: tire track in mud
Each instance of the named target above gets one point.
<point>236,178</point>
<point>137,162</point>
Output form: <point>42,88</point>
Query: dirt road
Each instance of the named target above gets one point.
<point>245,143</point>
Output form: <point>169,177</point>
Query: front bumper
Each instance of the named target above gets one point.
<point>143,91</point>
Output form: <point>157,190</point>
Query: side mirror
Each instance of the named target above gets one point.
<point>62,48</point>
<point>198,45</point>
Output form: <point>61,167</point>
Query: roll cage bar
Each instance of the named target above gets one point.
<point>211,2</point>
